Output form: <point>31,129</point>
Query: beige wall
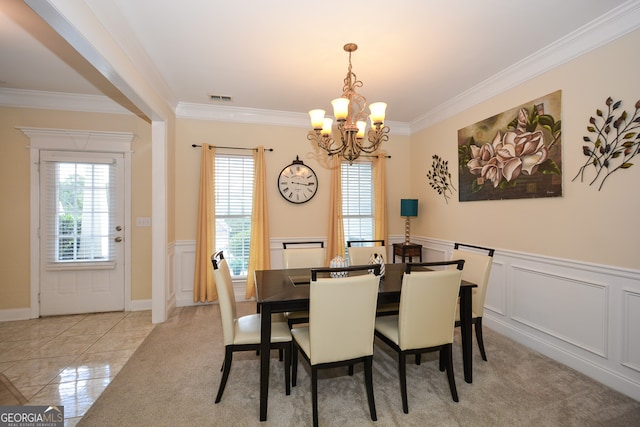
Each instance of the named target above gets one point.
<point>286,219</point>
<point>15,188</point>
<point>585,224</point>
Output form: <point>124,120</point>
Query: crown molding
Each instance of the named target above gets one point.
<point>602,30</point>
<point>21,98</point>
<point>606,28</point>
<point>257,116</point>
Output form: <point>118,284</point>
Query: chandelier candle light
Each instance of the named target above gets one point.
<point>408,208</point>
<point>351,119</point>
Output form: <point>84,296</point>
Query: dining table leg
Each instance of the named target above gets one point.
<point>265,341</point>
<point>465,332</point>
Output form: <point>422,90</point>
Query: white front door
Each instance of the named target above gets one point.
<point>81,232</point>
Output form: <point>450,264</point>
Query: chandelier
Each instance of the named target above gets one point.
<point>351,119</point>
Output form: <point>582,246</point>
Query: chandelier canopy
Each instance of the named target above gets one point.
<point>349,112</point>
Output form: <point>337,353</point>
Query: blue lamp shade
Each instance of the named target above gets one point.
<point>408,207</point>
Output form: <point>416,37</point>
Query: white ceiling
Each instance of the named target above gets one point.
<point>287,55</point>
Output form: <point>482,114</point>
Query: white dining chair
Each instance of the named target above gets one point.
<point>243,333</point>
<point>477,268</point>
<point>302,255</point>
<point>342,312</point>
<point>426,319</point>
<point>360,251</point>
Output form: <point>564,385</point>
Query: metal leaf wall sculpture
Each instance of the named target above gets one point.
<point>440,177</point>
<point>613,141</point>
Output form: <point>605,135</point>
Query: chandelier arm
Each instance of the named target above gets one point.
<point>324,142</point>
<point>376,136</point>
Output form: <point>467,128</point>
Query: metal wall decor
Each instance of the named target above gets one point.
<point>440,177</point>
<point>513,155</point>
<point>614,141</point>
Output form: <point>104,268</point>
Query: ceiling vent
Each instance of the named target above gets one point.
<point>224,98</point>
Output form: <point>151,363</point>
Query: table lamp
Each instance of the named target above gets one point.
<point>408,208</point>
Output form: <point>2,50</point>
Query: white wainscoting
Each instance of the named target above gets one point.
<point>586,316</point>
<point>583,315</point>
<point>184,256</point>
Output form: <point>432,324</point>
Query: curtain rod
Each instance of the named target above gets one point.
<point>386,156</point>
<point>232,148</point>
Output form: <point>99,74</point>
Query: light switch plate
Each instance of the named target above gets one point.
<point>143,222</point>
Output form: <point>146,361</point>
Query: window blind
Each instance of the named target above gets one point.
<point>357,200</point>
<point>80,211</point>
<point>234,176</point>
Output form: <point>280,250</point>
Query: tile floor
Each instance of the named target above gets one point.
<point>69,360</point>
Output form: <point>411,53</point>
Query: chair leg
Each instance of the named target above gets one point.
<point>351,370</point>
<point>442,361</point>
<point>228,357</point>
<point>287,368</point>
<point>402,374</point>
<point>478,329</point>
<point>418,358</point>
<point>280,354</point>
<point>314,395</point>
<point>448,354</point>
<point>368,379</point>
<point>294,364</point>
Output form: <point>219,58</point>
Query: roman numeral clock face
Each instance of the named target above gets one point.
<point>297,182</point>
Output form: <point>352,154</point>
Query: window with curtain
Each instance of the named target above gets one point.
<point>357,200</point>
<point>234,175</point>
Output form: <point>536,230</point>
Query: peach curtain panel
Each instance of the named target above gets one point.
<point>380,198</point>
<point>204,288</point>
<point>335,238</point>
<point>259,251</point>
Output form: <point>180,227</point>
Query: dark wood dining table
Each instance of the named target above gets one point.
<point>280,291</point>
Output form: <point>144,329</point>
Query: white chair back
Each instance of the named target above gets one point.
<point>303,257</point>
<point>359,255</point>
<point>342,313</point>
<point>428,308</point>
<point>226,300</point>
<point>477,268</point>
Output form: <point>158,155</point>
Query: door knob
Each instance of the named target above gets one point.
<point>118,228</point>
<point>118,239</point>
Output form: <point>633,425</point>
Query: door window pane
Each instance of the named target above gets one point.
<point>81,207</point>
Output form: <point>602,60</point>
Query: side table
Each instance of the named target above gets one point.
<point>407,251</point>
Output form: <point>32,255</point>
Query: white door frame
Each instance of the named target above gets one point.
<point>75,140</point>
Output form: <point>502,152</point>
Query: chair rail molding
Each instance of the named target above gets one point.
<point>586,316</point>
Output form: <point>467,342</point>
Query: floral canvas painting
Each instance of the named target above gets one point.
<point>513,155</point>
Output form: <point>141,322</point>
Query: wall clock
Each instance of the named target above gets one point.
<point>297,182</point>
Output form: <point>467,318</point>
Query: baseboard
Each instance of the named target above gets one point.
<point>10,314</point>
<point>141,304</point>
<point>598,372</point>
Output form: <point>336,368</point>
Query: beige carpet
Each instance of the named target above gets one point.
<point>173,377</point>
<point>9,394</point>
